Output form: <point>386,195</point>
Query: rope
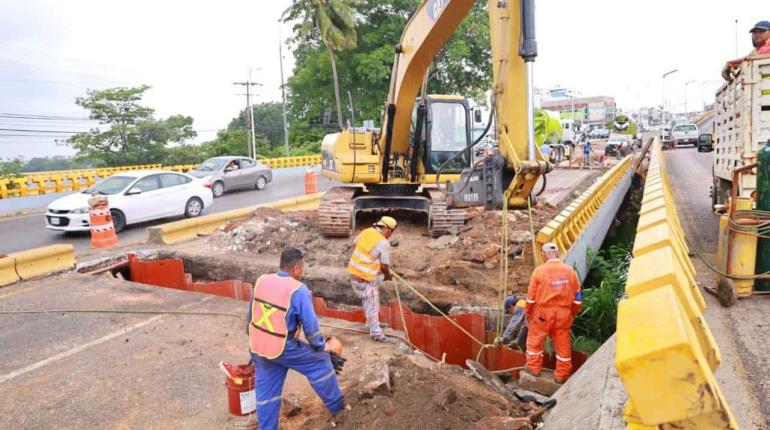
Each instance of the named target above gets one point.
<point>401,311</point>
<point>719,272</point>
<point>503,265</point>
<point>118,311</point>
<point>425,299</point>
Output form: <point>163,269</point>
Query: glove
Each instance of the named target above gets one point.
<point>337,362</point>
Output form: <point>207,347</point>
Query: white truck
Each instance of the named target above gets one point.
<point>742,125</point>
<point>684,134</point>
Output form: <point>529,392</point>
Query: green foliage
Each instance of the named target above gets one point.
<point>463,68</point>
<point>132,134</point>
<point>602,290</point>
<point>11,168</point>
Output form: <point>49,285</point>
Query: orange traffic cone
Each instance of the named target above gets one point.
<point>102,231</point>
<point>311,184</point>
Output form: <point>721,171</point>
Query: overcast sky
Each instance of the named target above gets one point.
<point>192,52</point>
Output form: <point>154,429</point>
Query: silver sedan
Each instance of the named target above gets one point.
<point>233,173</point>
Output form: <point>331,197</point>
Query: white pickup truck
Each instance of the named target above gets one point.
<point>684,134</point>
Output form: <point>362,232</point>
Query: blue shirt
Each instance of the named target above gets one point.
<point>300,313</point>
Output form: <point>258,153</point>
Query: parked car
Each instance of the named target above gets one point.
<point>705,143</point>
<point>233,173</point>
<point>599,133</point>
<point>134,196</point>
<point>618,145</point>
<point>685,134</point>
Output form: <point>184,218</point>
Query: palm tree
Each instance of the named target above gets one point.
<point>335,24</point>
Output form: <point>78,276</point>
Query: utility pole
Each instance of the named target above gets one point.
<point>248,84</point>
<point>686,110</point>
<point>283,92</point>
<point>663,111</point>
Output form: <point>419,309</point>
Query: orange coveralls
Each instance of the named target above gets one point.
<point>553,300</point>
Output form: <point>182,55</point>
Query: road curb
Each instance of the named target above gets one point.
<point>179,231</point>
<point>36,262</point>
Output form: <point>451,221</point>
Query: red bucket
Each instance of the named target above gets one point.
<point>239,381</point>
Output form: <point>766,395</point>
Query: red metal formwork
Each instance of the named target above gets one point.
<point>434,335</point>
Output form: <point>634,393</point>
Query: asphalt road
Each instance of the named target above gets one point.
<point>25,232</point>
<point>741,330</point>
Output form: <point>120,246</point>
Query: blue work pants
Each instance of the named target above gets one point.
<point>270,375</point>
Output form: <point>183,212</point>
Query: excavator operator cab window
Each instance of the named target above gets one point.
<point>448,133</point>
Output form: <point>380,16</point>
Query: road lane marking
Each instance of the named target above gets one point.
<point>62,355</point>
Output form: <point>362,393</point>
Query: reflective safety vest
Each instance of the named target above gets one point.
<point>267,329</point>
<point>362,264</point>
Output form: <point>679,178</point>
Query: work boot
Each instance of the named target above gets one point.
<point>559,380</point>
<point>528,371</point>
<point>383,339</point>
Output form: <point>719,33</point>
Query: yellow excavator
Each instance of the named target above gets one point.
<point>426,139</point>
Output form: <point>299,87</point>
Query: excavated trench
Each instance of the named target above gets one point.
<point>433,334</point>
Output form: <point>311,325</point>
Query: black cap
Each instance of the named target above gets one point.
<point>761,25</point>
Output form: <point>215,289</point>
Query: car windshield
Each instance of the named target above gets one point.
<point>111,185</point>
<point>212,165</point>
<point>687,127</point>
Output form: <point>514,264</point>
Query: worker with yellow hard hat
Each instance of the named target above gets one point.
<point>371,256</point>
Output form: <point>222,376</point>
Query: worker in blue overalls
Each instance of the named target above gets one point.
<point>280,304</point>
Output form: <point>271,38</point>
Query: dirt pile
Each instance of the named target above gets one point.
<point>409,392</point>
<point>470,260</point>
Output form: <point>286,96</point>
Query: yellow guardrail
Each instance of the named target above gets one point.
<point>74,180</point>
<point>565,228</point>
<point>187,229</point>
<point>666,355</point>
<point>35,262</point>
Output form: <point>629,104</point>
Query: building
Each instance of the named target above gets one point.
<point>589,110</point>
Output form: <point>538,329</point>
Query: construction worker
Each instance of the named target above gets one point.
<point>760,39</point>
<point>371,256</point>
<point>280,304</point>
<point>553,300</point>
<point>515,333</point>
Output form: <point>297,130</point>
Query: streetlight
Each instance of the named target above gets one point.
<point>686,111</point>
<point>663,112</point>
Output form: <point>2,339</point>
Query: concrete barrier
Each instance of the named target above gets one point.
<point>43,261</point>
<point>187,229</point>
<point>584,223</point>
<point>666,355</point>
<point>8,273</point>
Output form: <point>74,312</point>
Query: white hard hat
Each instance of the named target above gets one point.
<point>550,247</point>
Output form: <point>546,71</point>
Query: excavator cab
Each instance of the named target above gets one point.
<point>447,131</point>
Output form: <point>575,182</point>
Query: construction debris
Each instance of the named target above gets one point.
<point>469,260</point>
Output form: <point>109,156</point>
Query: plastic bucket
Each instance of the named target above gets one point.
<point>239,380</point>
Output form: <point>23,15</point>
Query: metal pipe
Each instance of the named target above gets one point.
<point>531,112</point>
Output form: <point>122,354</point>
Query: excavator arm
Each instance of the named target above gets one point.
<point>513,174</point>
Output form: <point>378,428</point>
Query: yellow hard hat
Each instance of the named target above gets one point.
<point>388,222</point>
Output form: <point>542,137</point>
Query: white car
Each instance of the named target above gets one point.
<point>134,196</point>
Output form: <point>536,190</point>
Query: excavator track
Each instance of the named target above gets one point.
<point>335,213</point>
<point>442,220</point>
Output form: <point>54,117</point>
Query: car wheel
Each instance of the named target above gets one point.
<point>218,189</point>
<point>118,220</point>
<point>261,183</point>
<point>193,208</point>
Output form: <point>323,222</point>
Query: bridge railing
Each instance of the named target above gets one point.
<point>566,227</point>
<point>666,355</point>
<point>73,180</point>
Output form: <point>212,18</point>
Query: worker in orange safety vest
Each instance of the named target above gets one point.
<point>553,300</point>
<point>371,256</point>
<point>280,304</point>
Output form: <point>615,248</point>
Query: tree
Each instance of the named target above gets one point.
<point>132,134</point>
<point>268,122</point>
<point>333,22</point>
<point>464,67</point>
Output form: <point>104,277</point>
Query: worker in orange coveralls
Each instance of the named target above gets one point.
<point>553,300</point>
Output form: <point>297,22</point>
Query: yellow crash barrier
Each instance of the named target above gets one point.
<point>187,229</point>
<point>45,260</point>
<point>8,273</point>
<point>665,354</point>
